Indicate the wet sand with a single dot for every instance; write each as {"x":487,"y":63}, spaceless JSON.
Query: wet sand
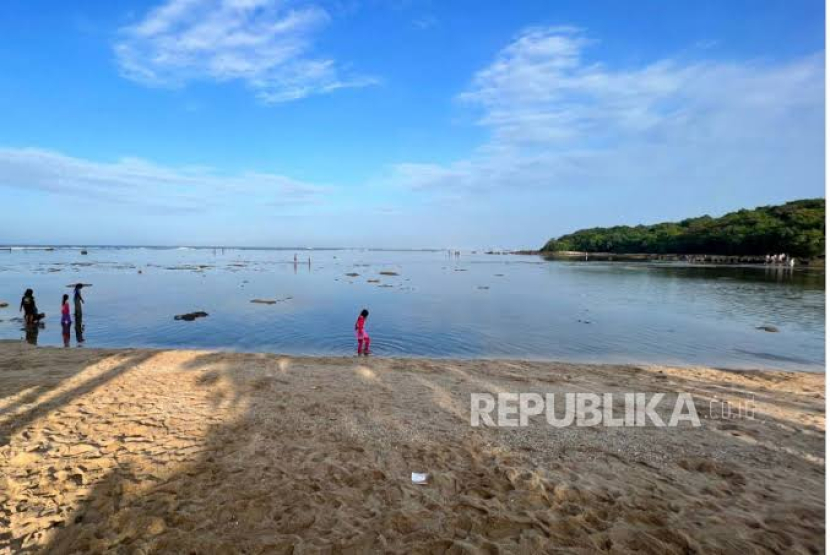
{"x":210,"y":452}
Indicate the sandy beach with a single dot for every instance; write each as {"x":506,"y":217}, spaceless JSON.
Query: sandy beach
{"x":139,"y":451}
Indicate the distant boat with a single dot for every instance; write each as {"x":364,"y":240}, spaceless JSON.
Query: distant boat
{"x":83,"y":251}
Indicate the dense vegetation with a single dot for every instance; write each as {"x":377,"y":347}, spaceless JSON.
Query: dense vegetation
{"x":795,"y":228}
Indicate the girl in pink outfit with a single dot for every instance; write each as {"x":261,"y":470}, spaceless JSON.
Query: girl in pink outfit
{"x":363,"y":339}
{"x":65,"y":319}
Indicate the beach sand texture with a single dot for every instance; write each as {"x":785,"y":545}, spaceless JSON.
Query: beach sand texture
{"x":208,"y":452}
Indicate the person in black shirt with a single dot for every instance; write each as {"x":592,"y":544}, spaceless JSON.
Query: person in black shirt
{"x":79,"y":300}
{"x":29,"y":308}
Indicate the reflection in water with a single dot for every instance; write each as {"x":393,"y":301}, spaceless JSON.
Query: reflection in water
{"x":65,"y":329}
{"x":754,"y":296}
{"x":807,"y":279}
{"x":32,"y":332}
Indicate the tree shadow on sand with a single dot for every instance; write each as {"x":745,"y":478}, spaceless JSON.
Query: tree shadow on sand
{"x":34,"y":395}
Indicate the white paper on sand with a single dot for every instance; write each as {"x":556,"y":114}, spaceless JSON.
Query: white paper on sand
{"x":420,"y":478}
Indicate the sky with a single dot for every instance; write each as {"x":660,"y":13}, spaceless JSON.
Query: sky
{"x":399,"y":123}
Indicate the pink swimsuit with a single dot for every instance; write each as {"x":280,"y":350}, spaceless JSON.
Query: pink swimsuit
{"x":362,"y":337}
{"x":65,"y":319}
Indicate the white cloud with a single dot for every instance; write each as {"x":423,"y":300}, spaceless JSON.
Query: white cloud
{"x":557,"y":119}
{"x":264,"y":43}
{"x":139,"y":182}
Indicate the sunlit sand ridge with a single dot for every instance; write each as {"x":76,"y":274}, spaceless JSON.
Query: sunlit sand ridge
{"x":184,"y":451}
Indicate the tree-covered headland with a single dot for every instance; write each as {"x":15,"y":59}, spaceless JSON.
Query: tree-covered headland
{"x":795,"y":228}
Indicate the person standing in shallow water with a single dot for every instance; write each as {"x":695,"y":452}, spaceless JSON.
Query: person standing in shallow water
{"x":363,"y":339}
{"x":29,"y":308}
{"x":66,"y":320}
{"x":79,"y":300}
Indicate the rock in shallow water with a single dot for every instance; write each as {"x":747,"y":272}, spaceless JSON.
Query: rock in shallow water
{"x":190,"y":316}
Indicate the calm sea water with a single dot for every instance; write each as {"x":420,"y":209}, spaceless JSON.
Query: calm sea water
{"x":438,"y":306}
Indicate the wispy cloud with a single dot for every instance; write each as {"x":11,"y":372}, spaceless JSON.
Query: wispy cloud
{"x":267,"y":44}
{"x":557,"y":119}
{"x":425,"y":22}
{"x":142,"y":183}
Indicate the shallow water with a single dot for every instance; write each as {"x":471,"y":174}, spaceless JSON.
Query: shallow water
{"x":438,"y":306}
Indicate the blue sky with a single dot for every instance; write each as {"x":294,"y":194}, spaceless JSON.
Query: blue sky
{"x":401,"y":123}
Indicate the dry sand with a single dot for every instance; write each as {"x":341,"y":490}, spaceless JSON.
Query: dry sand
{"x":203,"y":452}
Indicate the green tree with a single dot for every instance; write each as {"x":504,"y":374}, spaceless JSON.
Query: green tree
{"x":795,"y":228}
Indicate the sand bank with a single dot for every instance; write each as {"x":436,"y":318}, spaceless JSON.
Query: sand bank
{"x":206,"y":452}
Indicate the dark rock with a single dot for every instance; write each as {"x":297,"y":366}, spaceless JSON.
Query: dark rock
{"x":190,"y":316}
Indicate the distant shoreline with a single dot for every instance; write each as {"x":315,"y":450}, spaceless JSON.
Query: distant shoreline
{"x":755,"y":260}
{"x":19,"y":247}
{"x":403,"y":358}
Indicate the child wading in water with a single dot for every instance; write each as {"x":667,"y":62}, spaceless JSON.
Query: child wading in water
{"x":65,"y":319}
{"x":362,"y":337}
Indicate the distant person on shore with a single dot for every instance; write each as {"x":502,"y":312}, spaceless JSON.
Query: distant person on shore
{"x":29,"y":308}
{"x":65,"y":318}
{"x":79,"y":300}
{"x":363,"y":339}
